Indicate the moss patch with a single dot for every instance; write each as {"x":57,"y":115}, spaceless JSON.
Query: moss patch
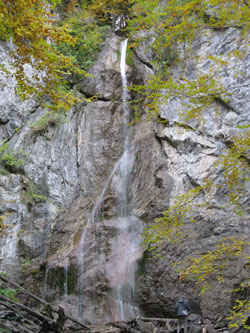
{"x":142,"y":263}
{"x":61,"y":280}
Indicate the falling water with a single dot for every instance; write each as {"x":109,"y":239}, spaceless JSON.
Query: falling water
{"x":91,"y":220}
{"x":128,"y":159}
{"x":125,"y":97}
{"x":126,"y":247}
{"x":121,"y":265}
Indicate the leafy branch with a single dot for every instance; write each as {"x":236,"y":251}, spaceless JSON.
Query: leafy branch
{"x":31,"y":27}
{"x":207,"y":267}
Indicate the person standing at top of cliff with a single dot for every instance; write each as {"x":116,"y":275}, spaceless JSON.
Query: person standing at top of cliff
{"x":183,"y":310}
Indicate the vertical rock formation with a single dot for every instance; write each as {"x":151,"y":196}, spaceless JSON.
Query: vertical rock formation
{"x":71,"y":164}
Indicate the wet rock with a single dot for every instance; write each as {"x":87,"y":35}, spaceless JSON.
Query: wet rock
{"x":105,"y":81}
{"x":71,"y":165}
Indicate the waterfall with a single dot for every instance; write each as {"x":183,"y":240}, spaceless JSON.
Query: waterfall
{"x":127,"y":250}
{"x":90,"y":221}
{"x":127,"y":161}
{"x":121,"y":267}
{"x":125,"y":247}
{"x":125,"y":97}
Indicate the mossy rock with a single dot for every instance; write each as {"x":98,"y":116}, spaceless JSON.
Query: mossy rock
{"x":141,"y":264}
{"x":62,"y":280}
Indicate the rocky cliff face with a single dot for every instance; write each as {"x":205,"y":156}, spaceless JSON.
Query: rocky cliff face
{"x":72,"y":164}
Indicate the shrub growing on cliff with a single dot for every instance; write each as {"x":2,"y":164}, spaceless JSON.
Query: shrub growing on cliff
{"x":32,"y":194}
{"x":108,"y":10}
{"x":11,"y":160}
{"x":89,"y":36}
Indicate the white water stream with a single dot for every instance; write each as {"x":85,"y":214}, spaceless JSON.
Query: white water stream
{"x":125,"y":247}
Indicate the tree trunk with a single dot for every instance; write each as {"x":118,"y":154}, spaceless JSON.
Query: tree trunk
{"x":27,"y":309}
{"x":40,"y":300}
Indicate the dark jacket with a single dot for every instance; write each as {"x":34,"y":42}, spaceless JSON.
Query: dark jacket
{"x":181,"y":306}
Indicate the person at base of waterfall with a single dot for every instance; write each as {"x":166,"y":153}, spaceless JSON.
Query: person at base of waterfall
{"x":183,"y":310}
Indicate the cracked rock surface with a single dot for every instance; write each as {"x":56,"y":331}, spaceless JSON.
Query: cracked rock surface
{"x":70,"y":165}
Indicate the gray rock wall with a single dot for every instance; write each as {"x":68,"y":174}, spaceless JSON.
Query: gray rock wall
{"x":188,"y":155}
{"x":72,"y":163}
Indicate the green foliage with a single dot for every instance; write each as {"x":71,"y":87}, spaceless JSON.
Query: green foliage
{"x":170,"y":30}
{"x":59,"y":279}
{"x":10,"y":293}
{"x":11,"y":160}
{"x":26,"y":264}
{"x":56,"y":51}
{"x":42,"y":185}
{"x":206,"y":270}
{"x":129,"y":58}
{"x":235,"y":164}
{"x":4,"y":274}
{"x":142,"y":262}
{"x":31,"y":26}
{"x":47,"y":311}
{"x":170,"y":226}
{"x":106,"y":10}
{"x":210,"y":266}
{"x":240,"y":314}
{"x":173,"y":27}
{"x":4,"y":330}
{"x":89,"y":37}
{"x":32,"y":195}
{"x":48,"y":119}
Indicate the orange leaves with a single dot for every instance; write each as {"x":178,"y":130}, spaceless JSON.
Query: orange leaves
{"x":32,"y":28}
{"x":3,"y":224}
{"x":181,"y":277}
{"x":105,"y":9}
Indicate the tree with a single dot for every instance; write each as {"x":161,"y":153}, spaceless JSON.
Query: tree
{"x":33,"y":30}
{"x":171,"y":28}
{"x":105,"y":8}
